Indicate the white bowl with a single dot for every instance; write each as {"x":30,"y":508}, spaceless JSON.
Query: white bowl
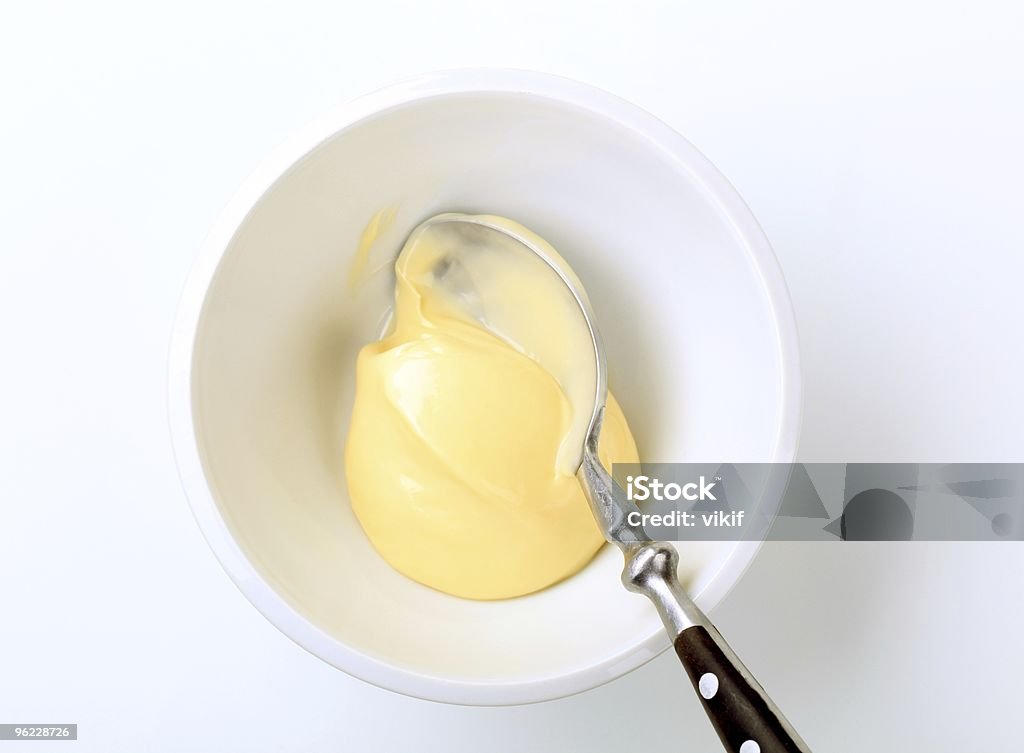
{"x":689,"y":299}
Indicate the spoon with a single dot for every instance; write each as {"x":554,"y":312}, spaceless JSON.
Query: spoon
{"x":746,"y":719}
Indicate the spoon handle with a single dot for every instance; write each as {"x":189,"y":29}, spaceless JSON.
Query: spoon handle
{"x":746,"y":719}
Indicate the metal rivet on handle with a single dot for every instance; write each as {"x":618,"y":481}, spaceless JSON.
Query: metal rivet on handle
{"x":708,"y":685}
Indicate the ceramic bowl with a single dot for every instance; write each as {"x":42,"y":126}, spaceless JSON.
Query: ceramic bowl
{"x":688,"y":296}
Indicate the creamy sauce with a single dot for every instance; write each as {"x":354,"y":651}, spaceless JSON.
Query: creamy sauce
{"x":469,"y":417}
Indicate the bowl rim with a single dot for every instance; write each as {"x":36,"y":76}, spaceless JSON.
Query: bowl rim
{"x":675,"y":148}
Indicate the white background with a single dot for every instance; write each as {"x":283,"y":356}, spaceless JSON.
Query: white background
{"x":879,"y":144}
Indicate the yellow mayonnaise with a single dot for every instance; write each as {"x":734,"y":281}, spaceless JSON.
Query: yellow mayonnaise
{"x":469,"y":417}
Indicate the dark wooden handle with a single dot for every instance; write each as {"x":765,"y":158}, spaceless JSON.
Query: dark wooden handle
{"x":744,"y":717}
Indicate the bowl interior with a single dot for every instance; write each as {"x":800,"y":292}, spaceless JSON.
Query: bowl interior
{"x":690,"y":332}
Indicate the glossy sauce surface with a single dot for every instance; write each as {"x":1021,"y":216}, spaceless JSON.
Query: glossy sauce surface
{"x":470,"y":414}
